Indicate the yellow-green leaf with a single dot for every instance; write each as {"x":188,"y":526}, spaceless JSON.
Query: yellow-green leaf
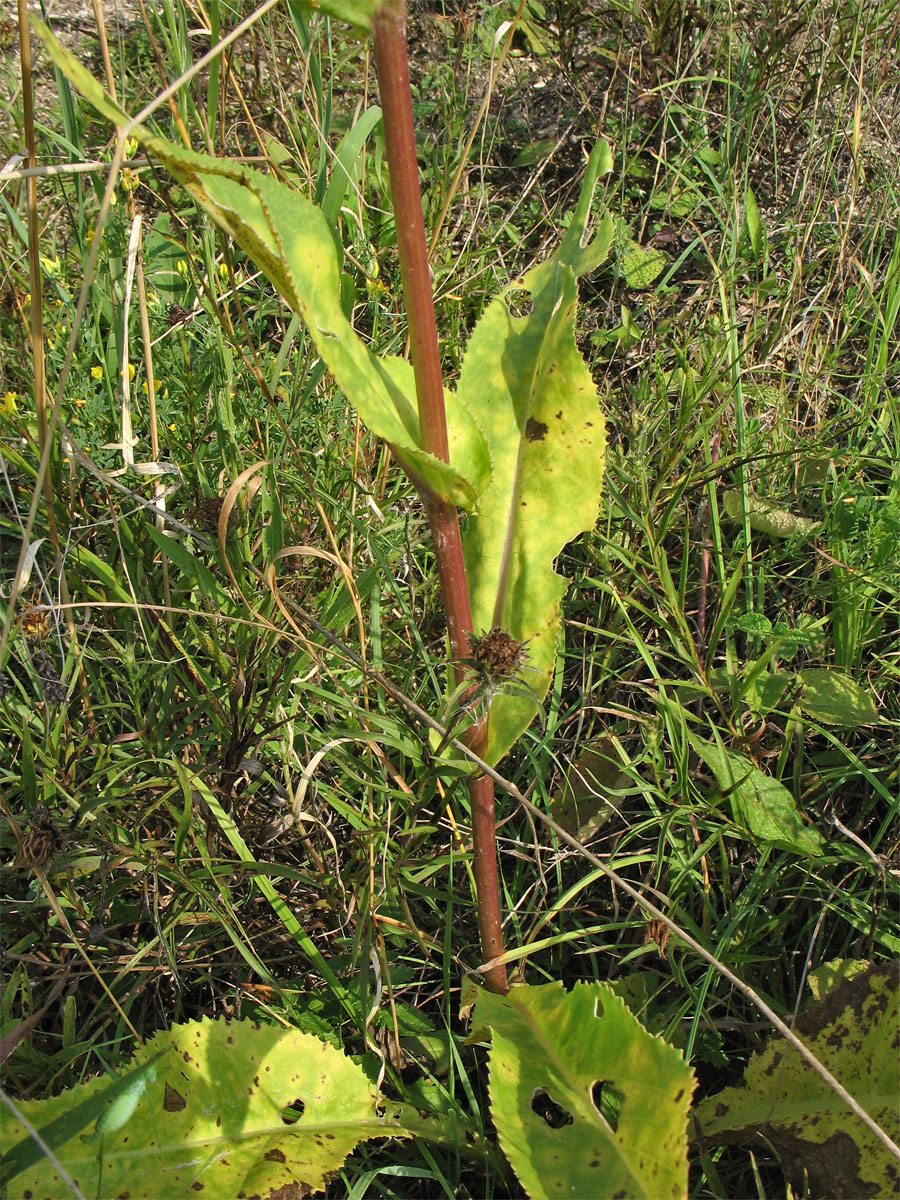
{"x":768,"y":518}
{"x":586,"y":1102}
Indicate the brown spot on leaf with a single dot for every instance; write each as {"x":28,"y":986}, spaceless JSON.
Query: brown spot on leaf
{"x":535,"y":431}
{"x":174,"y":1101}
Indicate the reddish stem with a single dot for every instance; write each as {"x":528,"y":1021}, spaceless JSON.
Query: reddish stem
{"x":392,"y":65}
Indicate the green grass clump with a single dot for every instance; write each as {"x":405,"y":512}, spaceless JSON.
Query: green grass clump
{"x":206,"y":805}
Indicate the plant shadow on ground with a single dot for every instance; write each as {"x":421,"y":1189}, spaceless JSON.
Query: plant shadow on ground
{"x":160,"y":691}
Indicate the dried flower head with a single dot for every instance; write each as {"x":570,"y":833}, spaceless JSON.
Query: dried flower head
{"x":497,"y":656}
{"x":41,"y":840}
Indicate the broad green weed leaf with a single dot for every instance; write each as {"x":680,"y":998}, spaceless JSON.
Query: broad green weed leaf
{"x":759,"y":803}
{"x":764,"y":691}
{"x":641,"y":266}
{"x":835,"y":698}
{"x":211,"y":1122}
{"x":359,"y":13}
{"x":852,"y":1031}
{"x":289,"y":238}
{"x":532,"y":394}
{"x":586,"y":1102}
{"x":768,"y":518}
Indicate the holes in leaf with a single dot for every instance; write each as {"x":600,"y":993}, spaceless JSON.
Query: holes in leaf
{"x":609,"y":1101}
{"x":519,"y":304}
{"x":554,"y":1114}
{"x":294,"y":1111}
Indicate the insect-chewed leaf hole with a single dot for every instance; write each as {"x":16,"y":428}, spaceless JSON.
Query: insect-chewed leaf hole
{"x":608,"y":1100}
{"x":554,"y":1114}
{"x":293,"y":1112}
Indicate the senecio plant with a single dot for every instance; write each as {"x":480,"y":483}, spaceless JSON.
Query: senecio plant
{"x":518,"y":446}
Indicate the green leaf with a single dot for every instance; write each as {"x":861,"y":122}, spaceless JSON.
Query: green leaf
{"x":289,"y":238}
{"x":764,"y":691}
{"x":359,"y":13}
{"x":190,"y":566}
{"x":532,"y":394}
{"x":835,"y":698}
{"x":754,"y":223}
{"x":759,"y":803}
{"x":768,"y":518}
{"x":211,"y":1121}
{"x":348,"y":152}
{"x":640,"y":265}
{"x":757,"y":624}
{"x":586,"y":1102}
{"x":780,"y":1099}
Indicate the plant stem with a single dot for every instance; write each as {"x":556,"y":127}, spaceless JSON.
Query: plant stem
{"x":392,"y":65}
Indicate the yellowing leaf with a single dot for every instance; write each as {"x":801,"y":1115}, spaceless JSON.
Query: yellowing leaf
{"x":207,"y":1119}
{"x":852,"y":1031}
{"x":524,"y":379}
{"x":586,"y":1102}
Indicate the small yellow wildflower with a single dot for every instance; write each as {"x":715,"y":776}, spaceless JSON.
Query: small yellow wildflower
{"x":131,"y":371}
{"x":50,"y":265}
{"x":173,"y":427}
{"x":181,"y":267}
{"x":8,"y":404}
{"x":131,"y":145}
{"x":79,"y":401}
{"x":96,"y":372}
{"x":144,"y":387}
{"x":223,"y":270}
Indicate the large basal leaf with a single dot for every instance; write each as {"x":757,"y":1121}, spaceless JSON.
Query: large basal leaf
{"x":289,"y":239}
{"x":586,"y":1102}
{"x":853,"y":1032}
{"x":532,"y":393}
{"x":209,"y":1118}
{"x":759,"y":803}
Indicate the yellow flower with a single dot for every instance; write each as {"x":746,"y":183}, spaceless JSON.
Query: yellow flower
{"x":96,"y":372}
{"x":131,"y":371}
{"x":173,"y":427}
{"x":79,"y":401}
{"x":8,"y":404}
{"x":144,"y":387}
{"x":181,"y":267}
{"x":223,"y":270}
{"x":131,"y":145}
{"x":50,"y":265}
